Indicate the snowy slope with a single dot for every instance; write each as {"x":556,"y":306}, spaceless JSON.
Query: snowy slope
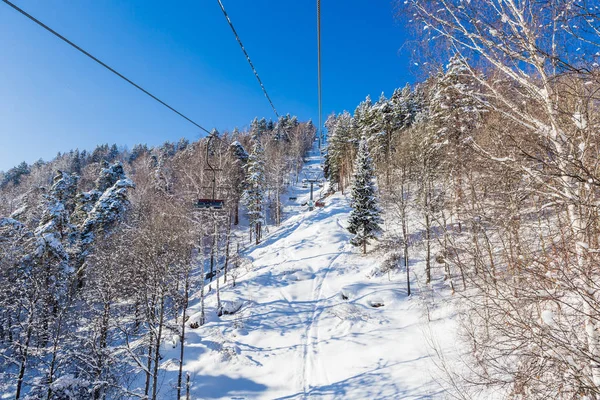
{"x":296,"y":336}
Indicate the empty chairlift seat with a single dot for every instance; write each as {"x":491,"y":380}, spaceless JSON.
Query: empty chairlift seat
{"x":209,"y":203}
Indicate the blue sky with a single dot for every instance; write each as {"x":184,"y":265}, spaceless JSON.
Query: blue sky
{"x":52,"y":98}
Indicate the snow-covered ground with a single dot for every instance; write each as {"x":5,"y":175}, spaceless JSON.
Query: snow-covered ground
{"x":308,"y":326}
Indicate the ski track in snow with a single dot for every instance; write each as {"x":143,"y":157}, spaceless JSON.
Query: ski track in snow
{"x":311,"y":342}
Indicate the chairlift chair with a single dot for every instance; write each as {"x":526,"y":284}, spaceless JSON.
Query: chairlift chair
{"x":209,"y":203}
{"x":212,"y":203}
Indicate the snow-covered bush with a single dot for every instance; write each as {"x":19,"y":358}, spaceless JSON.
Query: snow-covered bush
{"x":390,"y":264}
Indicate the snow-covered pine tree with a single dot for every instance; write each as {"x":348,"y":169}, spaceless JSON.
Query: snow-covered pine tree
{"x":214,"y":134}
{"x":182,"y":144}
{"x":239,"y":152}
{"x":341,"y":148}
{"x":15,"y":175}
{"x":255,"y":187}
{"x":366,"y":215}
{"x":112,"y":184}
{"x":236,"y":176}
{"x":455,"y":108}
{"x":383,"y":128}
{"x":330,"y":167}
{"x":137,"y":151}
{"x":455,"y":112}
{"x":98,"y":210}
{"x":365,"y":118}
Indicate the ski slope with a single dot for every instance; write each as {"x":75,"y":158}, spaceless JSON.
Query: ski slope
{"x":297,"y":337}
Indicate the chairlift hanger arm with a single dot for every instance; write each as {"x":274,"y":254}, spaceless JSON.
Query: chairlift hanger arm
{"x":210,"y":137}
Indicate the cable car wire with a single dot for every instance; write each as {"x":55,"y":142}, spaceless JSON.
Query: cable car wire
{"x":46,"y":27}
{"x":248,"y":58}
{"x":319,"y":72}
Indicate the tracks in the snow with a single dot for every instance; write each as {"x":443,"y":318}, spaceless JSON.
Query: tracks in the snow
{"x":310,"y":357}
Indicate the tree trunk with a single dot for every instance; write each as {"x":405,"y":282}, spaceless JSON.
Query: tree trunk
{"x":217,"y":270}
{"x":403,"y":200}
{"x":24,"y":355}
{"x":157,"y":346}
{"x":149,"y":365}
{"x":448,"y":276}
{"x":212,"y":252}
{"x":427,"y":244}
{"x":257,"y":233}
{"x":202,"y":279}
{"x":236,"y":215}
{"x":182,"y":336}
{"x":187,"y":386}
{"x":225,"y":267}
{"x":103,"y":344}
{"x":278,"y":207}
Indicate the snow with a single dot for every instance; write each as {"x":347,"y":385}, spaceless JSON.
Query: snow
{"x":231,"y":307}
{"x":13,"y":223}
{"x":349,"y":292}
{"x":548,"y":318}
{"x":579,"y":120}
{"x":19,"y":211}
{"x":294,"y":336}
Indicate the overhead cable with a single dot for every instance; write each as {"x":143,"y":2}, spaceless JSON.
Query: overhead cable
{"x":237,"y":37}
{"x":46,"y":27}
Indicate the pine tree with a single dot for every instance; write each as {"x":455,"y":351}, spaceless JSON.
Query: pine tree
{"x":331,"y":167}
{"x":237,"y":176}
{"x":113,"y":185}
{"x":340,"y":148}
{"x":365,"y":216}
{"x":255,"y":181}
{"x":365,"y":118}
{"x":182,"y":144}
{"x":214,"y":134}
{"x":239,"y":152}
{"x":455,"y":110}
{"x":310,"y":127}
{"x":455,"y":114}
{"x":14,"y":175}
{"x":76,"y":162}
{"x":137,"y":151}
{"x":113,"y":153}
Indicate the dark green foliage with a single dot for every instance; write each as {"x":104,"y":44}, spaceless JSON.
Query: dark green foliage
{"x":365,"y":216}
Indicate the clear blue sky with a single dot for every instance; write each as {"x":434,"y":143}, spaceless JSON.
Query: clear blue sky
{"x":52,"y":98}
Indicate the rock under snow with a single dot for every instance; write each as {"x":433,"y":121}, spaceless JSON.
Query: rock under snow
{"x":376,"y":302}
{"x":348,"y":292}
{"x":229,"y":307}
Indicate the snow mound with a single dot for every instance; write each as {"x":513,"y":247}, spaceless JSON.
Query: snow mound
{"x":230,"y":307}
{"x":194,"y":322}
{"x":376,"y":302}
{"x":300,"y":276}
{"x":349,"y":292}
